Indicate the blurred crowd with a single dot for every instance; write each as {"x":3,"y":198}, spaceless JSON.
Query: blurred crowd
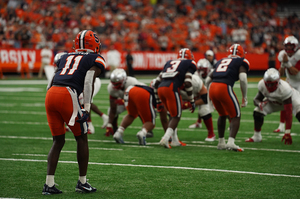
{"x":146,"y":25}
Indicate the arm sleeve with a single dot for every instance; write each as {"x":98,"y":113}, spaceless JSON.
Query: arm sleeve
{"x":243,"y":84}
{"x":188,"y":86}
{"x":88,"y":89}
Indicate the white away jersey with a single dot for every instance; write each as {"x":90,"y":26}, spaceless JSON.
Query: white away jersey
{"x":283,"y":92}
{"x":294,"y":80}
{"x":118,"y":93}
{"x":197,"y":84}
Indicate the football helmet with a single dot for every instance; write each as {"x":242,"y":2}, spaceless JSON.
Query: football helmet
{"x":185,"y":53}
{"x":271,"y":79}
{"x":236,"y":50}
{"x":203,"y":67}
{"x":87,"y":40}
{"x":118,"y":78}
{"x":290,"y":44}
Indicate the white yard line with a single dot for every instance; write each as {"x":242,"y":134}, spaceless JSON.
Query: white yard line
{"x":160,"y":167}
{"x":149,"y":144}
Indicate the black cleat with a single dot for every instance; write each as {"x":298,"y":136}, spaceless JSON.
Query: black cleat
{"x":50,"y":190}
{"x":84,"y":188}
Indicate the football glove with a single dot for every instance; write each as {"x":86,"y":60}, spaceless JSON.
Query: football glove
{"x":109,"y":130}
{"x":287,"y":138}
{"x":244,"y":102}
{"x":159,"y":107}
{"x":84,"y":117}
{"x":186,"y":105}
{"x":262,"y":104}
{"x":120,"y":102}
{"x":193,"y":106}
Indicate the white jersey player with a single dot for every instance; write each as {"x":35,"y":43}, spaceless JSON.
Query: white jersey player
{"x":290,"y":65}
{"x":119,"y":82}
{"x":204,"y":67}
{"x":201,"y":100}
{"x":275,"y":95}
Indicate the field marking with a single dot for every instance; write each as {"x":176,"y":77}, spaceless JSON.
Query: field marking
{"x":149,"y":144}
{"x":161,"y":167}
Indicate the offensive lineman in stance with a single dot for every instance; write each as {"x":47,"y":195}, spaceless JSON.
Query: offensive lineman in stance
{"x":76,"y":73}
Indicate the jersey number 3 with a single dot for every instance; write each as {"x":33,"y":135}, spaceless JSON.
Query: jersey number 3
{"x":74,"y":65}
{"x":223,"y":65}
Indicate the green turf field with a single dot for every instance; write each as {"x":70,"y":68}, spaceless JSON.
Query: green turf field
{"x":268,"y":169}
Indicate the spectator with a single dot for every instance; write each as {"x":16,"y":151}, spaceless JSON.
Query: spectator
{"x":129,"y":63}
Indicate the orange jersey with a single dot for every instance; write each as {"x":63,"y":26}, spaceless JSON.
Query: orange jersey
{"x":59,"y":108}
{"x":224,"y":99}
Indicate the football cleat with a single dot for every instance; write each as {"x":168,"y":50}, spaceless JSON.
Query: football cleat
{"x":141,"y":138}
{"x":165,"y":142}
{"x":221,"y":146}
{"x":195,"y":125}
{"x":105,"y":120}
{"x":234,"y":147}
{"x":210,"y":138}
{"x":279,"y":130}
{"x":118,"y":137}
{"x":50,"y":190}
{"x":254,"y":139}
{"x":84,"y":188}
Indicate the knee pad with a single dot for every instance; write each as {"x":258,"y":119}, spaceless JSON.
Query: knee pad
{"x":206,"y":117}
{"x":258,"y":116}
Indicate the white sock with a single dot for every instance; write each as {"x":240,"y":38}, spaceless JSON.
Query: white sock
{"x":221,"y":140}
{"x":175,"y":136}
{"x":281,"y":125}
{"x":230,"y":140}
{"x":169,"y":133}
{"x":50,"y":180}
{"x":144,"y":132}
{"x":257,"y":134}
{"x":82,"y":179}
{"x":121,"y":129}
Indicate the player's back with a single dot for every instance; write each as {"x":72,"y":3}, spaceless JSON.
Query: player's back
{"x":175,"y":71}
{"x":227,"y":70}
{"x":72,"y":68}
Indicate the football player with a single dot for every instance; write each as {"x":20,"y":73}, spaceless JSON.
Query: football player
{"x":275,"y":95}
{"x":76,"y":73}
{"x":140,"y":101}
{"x":290,"y":65}
{"x":201,"y":100}
{"x":176,"y":73}
{"x":204,"y":67}
{"x":119,"y":82}
{"x":229,"y":70}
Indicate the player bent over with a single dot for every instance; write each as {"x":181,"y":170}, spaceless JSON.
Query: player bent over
{"x":275,"y":95}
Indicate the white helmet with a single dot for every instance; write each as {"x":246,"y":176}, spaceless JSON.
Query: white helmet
{"x":118,"y":78}
{"x":203,"y":67}
{"x":291,"y":44}
{"x":271,"y":79}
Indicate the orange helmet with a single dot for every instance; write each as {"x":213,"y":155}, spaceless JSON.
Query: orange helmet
{"x":185,"y":53}
{"x":87,"y":40}
{"x":236,"y":50}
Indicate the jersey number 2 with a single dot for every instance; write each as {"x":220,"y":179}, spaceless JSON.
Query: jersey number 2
{"x":223,"y":65}
{"x":68,"y":63}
